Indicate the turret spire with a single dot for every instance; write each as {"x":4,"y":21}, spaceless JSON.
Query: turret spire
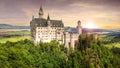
{"x":48,"y":18}
{"x":41,"y":12}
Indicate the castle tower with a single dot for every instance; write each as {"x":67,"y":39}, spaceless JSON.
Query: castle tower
{"x":41,"y":12}
{"x":79,"y":27}
{"x":48,"y":20}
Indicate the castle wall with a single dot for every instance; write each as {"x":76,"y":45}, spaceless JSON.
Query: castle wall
{"x":47,"y":34}
{"x":70,"y":39}
{"x":67,"y":39}
{"x":74,"y":39}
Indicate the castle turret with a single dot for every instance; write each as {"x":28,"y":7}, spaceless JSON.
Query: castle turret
{"x":41,"y":12}
{"x":79,"y":27}
{"x":48,"y":20}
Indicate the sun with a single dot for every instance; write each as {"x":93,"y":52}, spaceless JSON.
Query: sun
{"x":90,"y":25}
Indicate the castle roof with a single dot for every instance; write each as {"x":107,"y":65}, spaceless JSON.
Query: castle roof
{"x":41,"y":22}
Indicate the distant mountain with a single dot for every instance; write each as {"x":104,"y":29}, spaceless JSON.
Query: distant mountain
{"x":4,"y":25}
{"x":99,"y":31}
{"x":7,"y":26}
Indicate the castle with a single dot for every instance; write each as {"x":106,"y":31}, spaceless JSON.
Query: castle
{"x":46,"y":30}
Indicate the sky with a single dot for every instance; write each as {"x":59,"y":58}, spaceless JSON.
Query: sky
{"x":104,"y":14}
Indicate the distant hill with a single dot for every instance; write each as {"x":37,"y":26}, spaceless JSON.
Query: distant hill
{"x":73,"y":29}
{"x":98,"y":31}
{"x":113,"y":37}
{"x":7,"y":26}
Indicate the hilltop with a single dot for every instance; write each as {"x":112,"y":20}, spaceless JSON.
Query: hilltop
{"x":7,"y":26}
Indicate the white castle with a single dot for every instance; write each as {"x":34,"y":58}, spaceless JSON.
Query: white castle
{"x":46,"y":30}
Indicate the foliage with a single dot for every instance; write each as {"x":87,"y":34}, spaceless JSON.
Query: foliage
{"x":88,"y":54}
{"x":95,"y":55}
{"x":112,"y":45}
{"x":112,"y":37}
{"x":13,"y":39}
{"x":17,"y":32}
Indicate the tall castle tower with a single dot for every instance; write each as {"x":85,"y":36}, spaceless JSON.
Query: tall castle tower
{"x":79,"y":27}
{"x":41,"y":12}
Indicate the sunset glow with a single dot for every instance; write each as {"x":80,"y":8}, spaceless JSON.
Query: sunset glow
{"x":19,"y":12}
{"x":90,"y":25}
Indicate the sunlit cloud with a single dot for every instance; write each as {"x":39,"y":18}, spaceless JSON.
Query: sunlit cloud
{"x":102,"y":12}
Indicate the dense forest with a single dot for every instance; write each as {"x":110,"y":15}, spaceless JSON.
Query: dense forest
{"x":89,"y":53}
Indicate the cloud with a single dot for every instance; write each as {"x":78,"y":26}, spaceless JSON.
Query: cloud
{"x":100,"y":11}
{"x":10,"y":10}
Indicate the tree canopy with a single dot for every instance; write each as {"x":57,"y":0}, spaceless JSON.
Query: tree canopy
{"x":89,"y":54}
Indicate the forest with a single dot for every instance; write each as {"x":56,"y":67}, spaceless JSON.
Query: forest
{"x":88,"y":54}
